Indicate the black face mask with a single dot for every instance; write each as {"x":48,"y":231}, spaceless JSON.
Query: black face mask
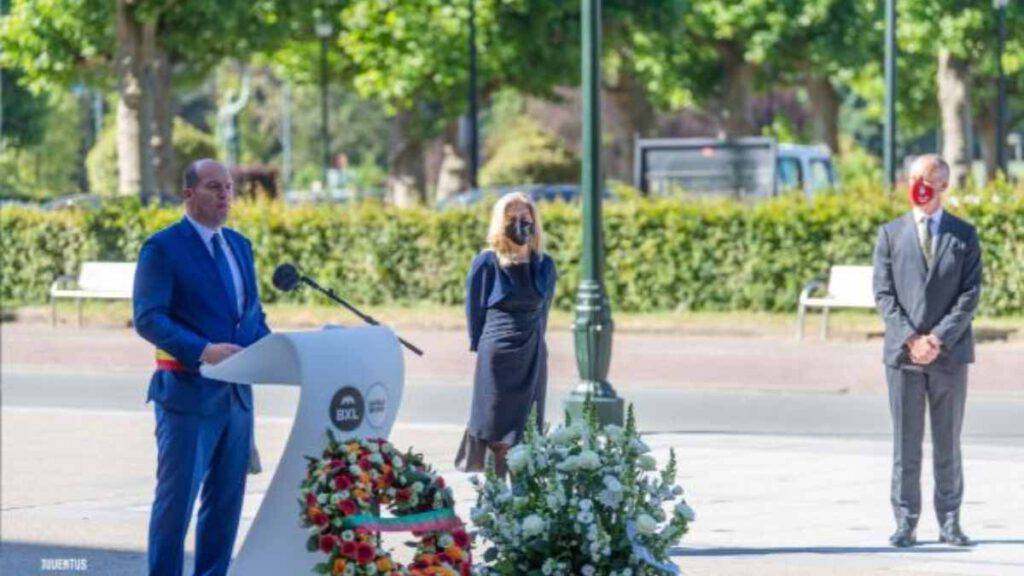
{"x":519,"y":231}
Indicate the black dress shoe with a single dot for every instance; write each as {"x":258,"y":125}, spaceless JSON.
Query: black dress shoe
{"x":951,"y":534}
{"x":904,"y":536}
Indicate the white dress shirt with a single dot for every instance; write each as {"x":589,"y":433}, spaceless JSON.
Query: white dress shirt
{"x":206,"y":234}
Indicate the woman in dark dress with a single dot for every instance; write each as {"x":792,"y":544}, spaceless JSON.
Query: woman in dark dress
{"x":509,"y":291}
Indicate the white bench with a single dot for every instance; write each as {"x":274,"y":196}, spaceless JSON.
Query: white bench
{"x":102,"y":280}
{"x":848,"y":287}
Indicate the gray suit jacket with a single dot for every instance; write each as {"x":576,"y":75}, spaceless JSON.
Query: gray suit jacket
{"x":914,"y":299}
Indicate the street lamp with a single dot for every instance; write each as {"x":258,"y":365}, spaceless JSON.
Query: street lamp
{"x":889,"y":132}
{"x":1001,"y":120}
{"x":593,"y":326}
{"x":286,"y":136}
{"x":474,"y":129}
{"x":324,"y":31}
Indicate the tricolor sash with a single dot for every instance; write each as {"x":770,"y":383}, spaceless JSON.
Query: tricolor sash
{"x":165,"y":361}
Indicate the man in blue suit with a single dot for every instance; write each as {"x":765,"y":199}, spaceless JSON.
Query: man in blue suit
{"x":196,"y":301}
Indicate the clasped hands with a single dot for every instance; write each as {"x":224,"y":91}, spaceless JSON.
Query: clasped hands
{"x":924,"y":348}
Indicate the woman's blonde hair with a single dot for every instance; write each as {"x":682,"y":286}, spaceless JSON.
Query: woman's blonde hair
{"x":500,"y":217}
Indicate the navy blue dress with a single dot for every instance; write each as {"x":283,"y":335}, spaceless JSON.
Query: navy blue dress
{"x":507,"y":311}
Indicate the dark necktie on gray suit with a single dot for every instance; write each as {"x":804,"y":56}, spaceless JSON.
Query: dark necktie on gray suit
{"x":924,"y":234}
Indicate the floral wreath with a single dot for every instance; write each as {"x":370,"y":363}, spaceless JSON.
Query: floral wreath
{"x":355,"y":477}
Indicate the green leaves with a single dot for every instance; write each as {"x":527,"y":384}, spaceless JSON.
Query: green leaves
{"x":57,"y":42}
{"x":527,"y":153}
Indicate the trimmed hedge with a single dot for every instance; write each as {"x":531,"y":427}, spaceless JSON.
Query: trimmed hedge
{"x":662,"y":255}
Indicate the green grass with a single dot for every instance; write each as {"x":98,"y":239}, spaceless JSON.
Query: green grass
{"x":846,"y":324}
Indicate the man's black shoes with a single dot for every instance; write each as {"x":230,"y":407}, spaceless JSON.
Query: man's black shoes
{"x":904,"y":536}
{"x":951,"y":534}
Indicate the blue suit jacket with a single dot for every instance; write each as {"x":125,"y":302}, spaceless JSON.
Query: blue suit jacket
{"x":488,"y":284}
{"x":181,"y":305}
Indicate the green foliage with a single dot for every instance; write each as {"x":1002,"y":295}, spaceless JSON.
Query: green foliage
{"x":63,"y":41}
{"x":358,"y":128}
{"x":43,"y":160}
{"x":23,"y":113}
{"x":101,"y":163}
{"x":661,"y":255}
{"x":412,"y":55}
{"x":524,"y":152}
{"x":190,"y":143}
{"x":967,"y":29}
{"x":57,"y":42}
{"x":37,"y":247}
{"x":368,"y":175}
{"x":858,"y":168}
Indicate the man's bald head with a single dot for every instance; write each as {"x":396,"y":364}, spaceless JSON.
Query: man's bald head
{"x":208,"y":191}
{"x":931,"y":167}
{"x":191,"y":177}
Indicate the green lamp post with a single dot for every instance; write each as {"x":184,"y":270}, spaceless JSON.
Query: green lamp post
{"x":593,"y":326}
{"x":1001,"y":114}
{"x":889,"y":130}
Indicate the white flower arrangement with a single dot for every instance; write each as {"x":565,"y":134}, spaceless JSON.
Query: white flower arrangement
{"x":581,"y":500}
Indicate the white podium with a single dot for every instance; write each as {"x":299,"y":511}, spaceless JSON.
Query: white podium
{"x":351,"y":382}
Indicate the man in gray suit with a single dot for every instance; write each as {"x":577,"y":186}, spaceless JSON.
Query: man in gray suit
{"x":927,"y":281}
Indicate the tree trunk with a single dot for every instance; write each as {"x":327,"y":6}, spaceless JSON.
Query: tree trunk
{"x":163,"y":125}
{"x":633,"y":117}
{"x":986,"y":125}
{"x":954,"y":105}
{"x":406,"y":174}
{"x":825,"y":104}
{"x":85,"y":129}
{"x":134,"y":155}
{"x":453,"y":172}
{"x":739,"y":89}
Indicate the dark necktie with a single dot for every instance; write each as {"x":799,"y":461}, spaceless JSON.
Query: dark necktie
{"x":924,"y":235}
{"x":225,"y":272}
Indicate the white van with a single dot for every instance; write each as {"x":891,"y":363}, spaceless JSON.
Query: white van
{"x":745,"y":168}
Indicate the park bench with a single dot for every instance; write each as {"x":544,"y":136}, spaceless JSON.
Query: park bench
{"x":101,"y":280}
{"x":848,"y":287}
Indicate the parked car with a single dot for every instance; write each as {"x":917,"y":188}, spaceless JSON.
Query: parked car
{"x":746,"y":168}
{"x":83,"y":201}
{"x":536,"y":192}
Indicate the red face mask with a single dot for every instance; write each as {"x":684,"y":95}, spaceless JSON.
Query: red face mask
{"x":921,"y":192}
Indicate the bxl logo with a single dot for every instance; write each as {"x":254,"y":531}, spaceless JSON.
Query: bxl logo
{"x":347,"y":409}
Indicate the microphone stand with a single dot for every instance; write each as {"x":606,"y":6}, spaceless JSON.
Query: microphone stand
{"x":365,"y":317}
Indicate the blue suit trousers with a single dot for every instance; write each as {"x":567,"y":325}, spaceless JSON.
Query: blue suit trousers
{"x":198,"y":452}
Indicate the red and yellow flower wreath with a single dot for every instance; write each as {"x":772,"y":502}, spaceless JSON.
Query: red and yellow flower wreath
{"x":350,"y":481}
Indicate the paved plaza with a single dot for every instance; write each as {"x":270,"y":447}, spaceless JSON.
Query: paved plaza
{"x":788,"y":472}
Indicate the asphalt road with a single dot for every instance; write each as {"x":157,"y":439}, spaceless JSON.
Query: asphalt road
{"x":989,"y":419}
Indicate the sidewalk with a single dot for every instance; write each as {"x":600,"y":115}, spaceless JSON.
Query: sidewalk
{"x":78,"y":485}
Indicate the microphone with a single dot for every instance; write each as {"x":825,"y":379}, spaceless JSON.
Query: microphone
{"x":287,"y":278}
